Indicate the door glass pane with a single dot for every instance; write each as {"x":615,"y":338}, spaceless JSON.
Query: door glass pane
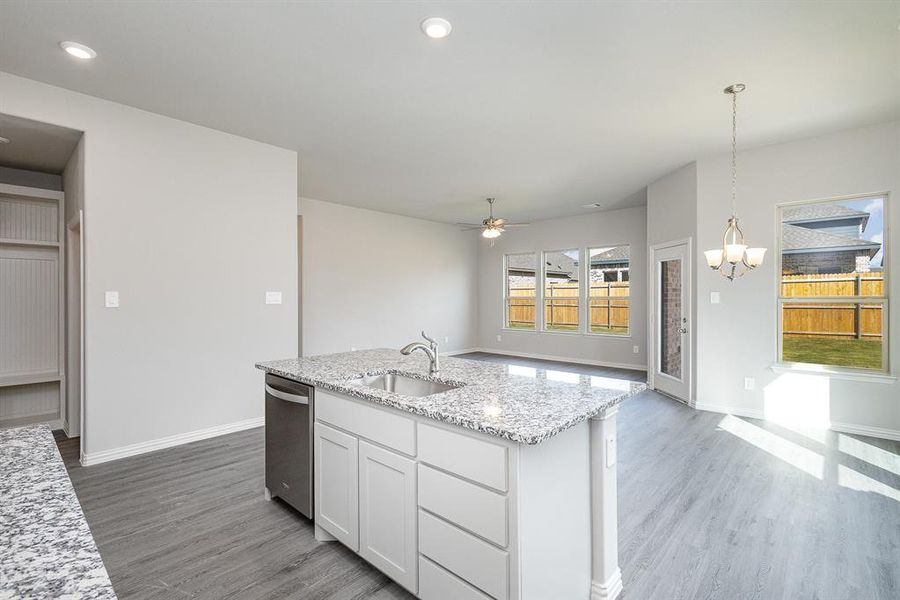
{"x":609,"y":290}
{"x":835,"y":334}
{"x":561,"y":290}
{"x":670,"y":317}
{"x":521,"y":290}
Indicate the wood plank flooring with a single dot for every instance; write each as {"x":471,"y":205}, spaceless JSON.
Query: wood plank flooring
{"x":710,"y":506}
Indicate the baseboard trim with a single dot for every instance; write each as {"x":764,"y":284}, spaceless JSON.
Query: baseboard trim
{"x":95,"y":458}
{"x":876,"y":432}
{"x":458,"y":352}
{"x":608,"y":590}
{"x":577,"y":361}
{"x":750,"y":413}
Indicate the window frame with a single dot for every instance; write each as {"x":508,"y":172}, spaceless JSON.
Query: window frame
{"x":884,"y":301}
{"x":543,"y":285}
{"x":505,"y":309}
{"x":587,"y":292}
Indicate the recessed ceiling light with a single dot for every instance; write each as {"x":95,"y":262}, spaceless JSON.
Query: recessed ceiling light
{"x":78,"y":50}
{"x":436,"y":27}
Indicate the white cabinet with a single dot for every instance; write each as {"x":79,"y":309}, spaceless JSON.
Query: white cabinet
{"x":337,"y":484}
{"x":387,"y":513}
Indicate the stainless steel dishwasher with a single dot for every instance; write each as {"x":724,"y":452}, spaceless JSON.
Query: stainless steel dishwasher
{"x":289,"y":442}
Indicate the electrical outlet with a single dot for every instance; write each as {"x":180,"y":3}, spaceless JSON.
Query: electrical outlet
{"x":499,"y":338}
{"x":273,"y":297}
{"x":111,"y":300}
{"x":714,"y":297}
{"x":352,"y":348}
{"x":637,"y":350}
{"x":749,"y":383}
{"x":446,"y":339}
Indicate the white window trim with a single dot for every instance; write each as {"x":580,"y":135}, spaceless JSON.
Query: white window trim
{"x":882,"y":375}
{"x":543,"y":283}
{"x":587,"y":290}
{"x":504,"y":325}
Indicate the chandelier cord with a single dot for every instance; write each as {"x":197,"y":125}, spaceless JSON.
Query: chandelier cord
{"x":734,"y":153}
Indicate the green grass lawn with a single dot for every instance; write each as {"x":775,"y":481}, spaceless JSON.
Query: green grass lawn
{"x":864,"y":354}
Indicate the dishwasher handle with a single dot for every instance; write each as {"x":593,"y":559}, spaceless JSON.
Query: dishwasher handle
{"x":287,"y":397}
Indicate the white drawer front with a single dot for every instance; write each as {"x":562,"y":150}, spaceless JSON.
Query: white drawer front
{"x":471,"y":507}
{"x":464,"y":455}
{"x":463,"y":554}
{"x":437,"y":584}
{"x":380,"y":425}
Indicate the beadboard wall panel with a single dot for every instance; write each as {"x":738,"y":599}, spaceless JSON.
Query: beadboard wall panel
{"x":31,"y":219}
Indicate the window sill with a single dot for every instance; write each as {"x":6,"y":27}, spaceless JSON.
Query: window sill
{"x":517,"y":330}
{"x":833,"y":373}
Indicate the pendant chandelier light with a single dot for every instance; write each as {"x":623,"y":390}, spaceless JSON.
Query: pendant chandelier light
{"x":734,"y":258}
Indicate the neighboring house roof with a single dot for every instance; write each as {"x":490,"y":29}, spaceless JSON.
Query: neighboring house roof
{"x":613,"y":255}
{"x":562,"y":265}
{"x":811,"y":213}
{"x":800,"y":239}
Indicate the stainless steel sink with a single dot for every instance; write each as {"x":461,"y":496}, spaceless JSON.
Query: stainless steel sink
{"x":401,"y":384}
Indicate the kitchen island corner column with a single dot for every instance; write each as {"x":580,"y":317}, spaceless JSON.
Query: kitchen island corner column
{"x":606,"y":578}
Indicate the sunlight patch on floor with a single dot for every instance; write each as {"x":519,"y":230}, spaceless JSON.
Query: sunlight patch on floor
{"x":794,"y":454}
{"x":869,"y":453}
{"x":854,"y":480}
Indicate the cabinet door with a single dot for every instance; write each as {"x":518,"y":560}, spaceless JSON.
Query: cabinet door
{"x":337,"y":484}
{"x":387,"y":513}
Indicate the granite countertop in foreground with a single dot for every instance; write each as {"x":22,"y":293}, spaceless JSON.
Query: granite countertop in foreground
{"x":520,"y":404}
{"x":46,"y":547}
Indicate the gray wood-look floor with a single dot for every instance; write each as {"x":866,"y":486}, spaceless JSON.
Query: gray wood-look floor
{"x":709,"y":507}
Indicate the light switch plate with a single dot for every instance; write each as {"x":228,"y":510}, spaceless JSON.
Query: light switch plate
{"x":749,"y":383}
{"x":499,"y":338}
{"x":111,"y":300}
{"x":714,"y":297}
{"x":610,"y":451}
{"x":273,"y":297}
{"x":637,"y":349}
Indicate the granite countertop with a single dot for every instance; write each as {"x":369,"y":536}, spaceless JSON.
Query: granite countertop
{"x":520,"y":404}
{"x":46,"y":547}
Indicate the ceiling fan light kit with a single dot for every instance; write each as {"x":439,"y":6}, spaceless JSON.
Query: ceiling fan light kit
{"x":735,"y":257}
{"x":491,"y":228}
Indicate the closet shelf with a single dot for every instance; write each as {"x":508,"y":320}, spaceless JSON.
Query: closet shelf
{"x":41,"y":243}
{"x":29,"y":378}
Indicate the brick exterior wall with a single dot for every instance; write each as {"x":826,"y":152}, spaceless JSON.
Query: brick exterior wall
{"x":810,"y":263}
{"x":670,"y":318}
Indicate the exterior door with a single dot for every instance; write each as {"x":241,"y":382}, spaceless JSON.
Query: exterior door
{"x":671,"y":326}
{"x":337,"y":484}
{"x":387,"y":513}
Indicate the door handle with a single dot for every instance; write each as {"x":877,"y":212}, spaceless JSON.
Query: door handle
{"x":296,"y":398}
{"x":683,"y":330}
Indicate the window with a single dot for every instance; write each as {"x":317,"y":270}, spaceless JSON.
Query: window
{"x":520,"y":290}
{"x":562,"y":291}
{"x":833,"y":298}
{"x":609,"y":291}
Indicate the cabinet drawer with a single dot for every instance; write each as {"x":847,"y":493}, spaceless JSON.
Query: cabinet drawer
{"x":437,"y":584}
{"x":470,"y":558}
{"x":470,"y":506}
{"x":464,"y":455}
{"x":377,"y":424}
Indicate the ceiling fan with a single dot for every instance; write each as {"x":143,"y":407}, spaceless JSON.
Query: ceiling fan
{"x":491,"y":228}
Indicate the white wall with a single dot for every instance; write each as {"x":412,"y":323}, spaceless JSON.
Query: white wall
{"x":73,"y":185}
{"x":672,"y":215}
{"x":607,"y":228}
{"x":191,"y":226}
{"x":737,"y":338}
{"x":372,"y":279}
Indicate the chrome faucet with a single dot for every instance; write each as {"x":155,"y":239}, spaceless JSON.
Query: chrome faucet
{"x":431,"y":350}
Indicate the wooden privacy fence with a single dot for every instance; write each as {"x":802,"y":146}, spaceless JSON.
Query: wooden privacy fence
{"x":609,"y":306}
{"x":847,"y":320}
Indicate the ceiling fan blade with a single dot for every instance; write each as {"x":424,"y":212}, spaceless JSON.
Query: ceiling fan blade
{"x":499,"y":222}
{"x":469,"y":225}
{"x":516,"y":224}
{"x":473,"y":228}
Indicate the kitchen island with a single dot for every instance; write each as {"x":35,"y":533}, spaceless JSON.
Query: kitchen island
{"x":46,"y":547}
{"x":502,"y":485}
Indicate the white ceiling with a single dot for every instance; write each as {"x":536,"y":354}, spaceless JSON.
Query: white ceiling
{"x":547,"y":106}
{"x":36,"y":146}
